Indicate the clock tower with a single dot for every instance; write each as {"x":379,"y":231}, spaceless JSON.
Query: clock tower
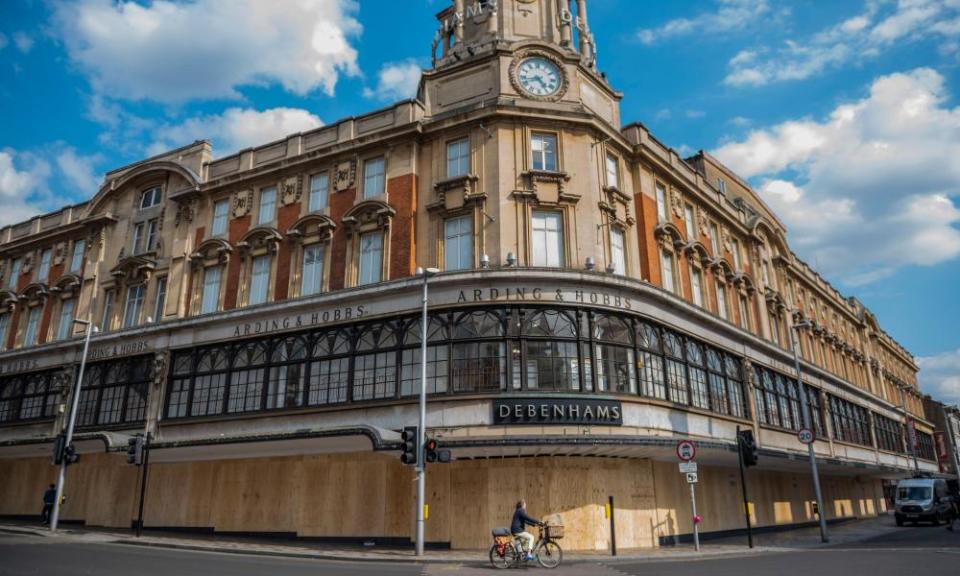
{"x":521,"y":53}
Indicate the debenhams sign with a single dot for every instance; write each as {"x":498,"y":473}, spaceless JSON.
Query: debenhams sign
{"x":557,"y":411}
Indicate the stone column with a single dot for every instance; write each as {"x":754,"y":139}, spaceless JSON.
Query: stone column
{"x":459,"y":14}
{"x":564,"y":16}
{"x":156,"y":394}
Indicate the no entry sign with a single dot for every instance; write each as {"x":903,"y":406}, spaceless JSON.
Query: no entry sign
{"x":686,"y":450}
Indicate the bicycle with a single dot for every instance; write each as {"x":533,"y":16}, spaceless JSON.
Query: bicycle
{"x":507,"y":551}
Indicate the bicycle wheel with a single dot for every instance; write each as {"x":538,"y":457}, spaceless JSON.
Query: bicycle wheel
{"x":508,"y":559}
{"x":550,"y":555}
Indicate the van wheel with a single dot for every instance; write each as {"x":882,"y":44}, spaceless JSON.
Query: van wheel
{"x":936,"y":519}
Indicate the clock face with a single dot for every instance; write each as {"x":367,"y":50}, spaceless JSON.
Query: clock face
{"x":539,"y":76}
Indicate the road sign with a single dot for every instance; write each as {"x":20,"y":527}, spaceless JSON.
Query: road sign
{"x":688,"y":467}
{"x":691,"y":477}
{"x":805,"y":436}
{"x":686,"y":450}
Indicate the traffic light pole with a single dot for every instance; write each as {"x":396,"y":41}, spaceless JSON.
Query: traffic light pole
{"x":422,"y":428}
{"x":143,"y":481}
{"x":62,"y":474}
{"x":808,"y":422}
{"x":743,"y":485}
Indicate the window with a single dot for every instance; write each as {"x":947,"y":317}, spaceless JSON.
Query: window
{"x":44,"y":272}
{"x":458,"y":158}
{"x":14,"y":274}
{"x":312,"y":279}
{"x":661,"y":203}
{"x":544,"y":147}
{"x":4,"y":327}
{"x":105,"y":319}
{"x":688,"y":222}
{"x":676,"y":369}
{"x":889,"y":434}
{"x":696,"y":286}
{"x":458,"y":243}
{"x":145,"y":236}
{"x":617,"y":254}
{"x":65,"y":327}
{"x":268,"y":205}
{"x":715,"y":239}
{"x":735,"y":249}
{"x":371,"y":257}
{"x":220,"y":210}
{"x":259,"y":280}
{"x":744,"y":312}
{"x":722,"y":300}
{"x":131,"y":310}
{"x":151,"y":197}
{"x":373,"y":177}
{"x":775,"y":328}
{"x":211,"y":290}
{"x":115,"y":392}
{"x":547,"y":239}
{"x":722,"y":185}
{"x":161,"y":299}
{"x":26,"y":397}
{"x":319,"y":187}
{"x":33,"y":325}
{"x":851,"y":423}
{"x":613,"y":352}
{"x":76,"y":262}
{"x":613,"y":171}
{"x":666,"y":270}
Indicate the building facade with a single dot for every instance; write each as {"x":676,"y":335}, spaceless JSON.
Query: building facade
{"x":946,"y":435}
{"x":600,"y":298}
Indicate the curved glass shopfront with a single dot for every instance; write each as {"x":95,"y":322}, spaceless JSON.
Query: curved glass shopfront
{"x":486,"y":350}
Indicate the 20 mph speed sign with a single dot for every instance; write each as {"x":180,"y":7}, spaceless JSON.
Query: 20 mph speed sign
{"x":805,"y":436}
{"x":686,"y":450}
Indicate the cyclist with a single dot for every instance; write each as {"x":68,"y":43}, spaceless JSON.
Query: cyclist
{"x":517,"y":527}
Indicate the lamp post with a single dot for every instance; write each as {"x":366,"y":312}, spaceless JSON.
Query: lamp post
{"x":62,"y":475}
{"x":421,"y":428}
{"x":808,"y":422}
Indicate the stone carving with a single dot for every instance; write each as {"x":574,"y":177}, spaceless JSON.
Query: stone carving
{"x":677,"y":203}
{"x":290,"y":190}
{"x":726,"y":238}
{"x":186,"y":210}
{"x":27,"y":263}
{"x":704,"y":222}
{"x":242,"y":203}
{"x":159,"y":367}
{"x":59,"y":252}
{"x":344,"y":175}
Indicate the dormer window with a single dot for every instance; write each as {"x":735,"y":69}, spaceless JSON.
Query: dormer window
{"x":152,"y":197}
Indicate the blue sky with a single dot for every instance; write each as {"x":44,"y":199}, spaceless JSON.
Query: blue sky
{"x":842,"y":113}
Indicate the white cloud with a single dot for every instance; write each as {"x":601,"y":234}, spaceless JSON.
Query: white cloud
{"x":174,"y":52}
{"x":729,"y":15}
{"x":21,"y":175}
{"x":694,"y":114}
{"x":3,"y":41}
{"x":234,"y":129}
{"x":79,"y":171}
{"x":940,"y":376}
{"x":867,"y":35}
{"x":22,"y":41}
{"x":872,"y":187}
{"x":396,"y":81}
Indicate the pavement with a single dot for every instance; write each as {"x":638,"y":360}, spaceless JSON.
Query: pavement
{"x":885,"y":551}
{"x":798,"y":539}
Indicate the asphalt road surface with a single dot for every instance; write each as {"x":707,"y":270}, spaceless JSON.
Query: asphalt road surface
{"x":907,"y":551}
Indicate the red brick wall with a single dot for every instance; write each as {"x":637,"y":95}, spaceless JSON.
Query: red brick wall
{"x":238,"y":227}
{"x":340,"y":202}
{"x":12,"y":329}
{"x":649,"y":254}
{"x":402,"y":193}
{"x":55,"y":273}
{"x":287,"y":216}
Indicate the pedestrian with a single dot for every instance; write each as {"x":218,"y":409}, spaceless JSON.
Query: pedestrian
{"x":954,"y":511}
{"x":49,"y":497}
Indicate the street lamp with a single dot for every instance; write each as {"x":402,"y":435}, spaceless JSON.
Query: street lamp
{"x":808,"y":422}
{"x":421,"y":428}
{"x":62,"y":475}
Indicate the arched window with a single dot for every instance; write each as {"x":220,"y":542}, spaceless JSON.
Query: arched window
{"x":652,"y":382}
{"x":478,"y":352}
{"x":613,"y":354}
{"x":210,"y":382}
{"x":676,"y":370}
{"x":438,"y":357}
{"x":247,"y":378}
{"x":288,"y":372}
{"x":552,"y":360}
{"x":330,"y":368}
{"x":375,"y":365}
{"x":700,"y":395}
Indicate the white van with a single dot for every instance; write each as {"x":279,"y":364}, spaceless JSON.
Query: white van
{"x":922,"y":500}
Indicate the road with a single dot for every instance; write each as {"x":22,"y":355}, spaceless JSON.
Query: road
{"x":901,"y":552}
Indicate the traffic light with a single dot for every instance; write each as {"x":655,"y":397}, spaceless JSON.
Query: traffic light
{"x":135,"y":450}
{"x":748,"y":448}
{"x":410,"y":437}
{"x":70,"y":455}
{"x":59,"y":443}
{"x":433,"y":453}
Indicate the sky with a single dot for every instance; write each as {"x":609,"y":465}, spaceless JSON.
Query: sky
{"x":842,"y":114}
